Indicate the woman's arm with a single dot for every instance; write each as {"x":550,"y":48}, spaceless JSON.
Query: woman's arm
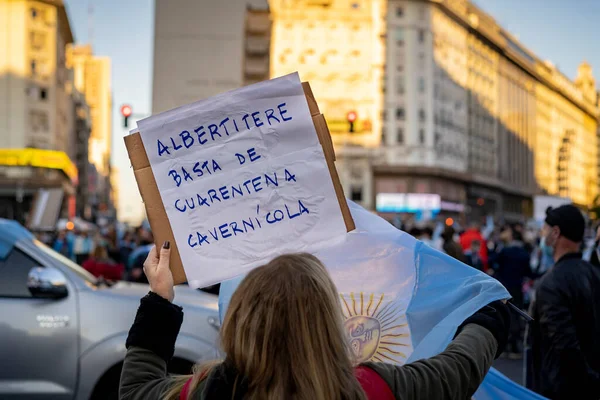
{"x":454,"y":374}
{"x":150,"y":346}
{"x":151,"y":340}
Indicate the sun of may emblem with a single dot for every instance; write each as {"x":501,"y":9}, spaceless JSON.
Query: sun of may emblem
{"x":376,"y":332}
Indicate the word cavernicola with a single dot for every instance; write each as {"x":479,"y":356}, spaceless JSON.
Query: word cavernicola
{"x":250,"y":224}
{"x":212,"y":132}
{"x":234,"y":191}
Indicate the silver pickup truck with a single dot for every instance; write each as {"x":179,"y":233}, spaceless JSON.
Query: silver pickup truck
{"x":62,"y":331}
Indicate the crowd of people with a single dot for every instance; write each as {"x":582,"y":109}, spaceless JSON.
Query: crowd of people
{"x":107,"y":253}
{"x":552,"y":273}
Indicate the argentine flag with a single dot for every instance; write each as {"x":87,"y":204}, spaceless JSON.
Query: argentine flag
{"x":401,"y":299}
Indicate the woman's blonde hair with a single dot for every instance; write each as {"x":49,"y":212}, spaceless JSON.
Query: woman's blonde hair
{"x":283,"y":332}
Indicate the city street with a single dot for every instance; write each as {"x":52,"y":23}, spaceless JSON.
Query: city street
{"x":235,"y":176}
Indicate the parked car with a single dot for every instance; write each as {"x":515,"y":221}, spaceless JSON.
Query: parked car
{"x":63,"y":331}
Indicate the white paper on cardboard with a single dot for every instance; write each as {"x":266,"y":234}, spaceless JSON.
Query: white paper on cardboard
{"x":243,"y":178}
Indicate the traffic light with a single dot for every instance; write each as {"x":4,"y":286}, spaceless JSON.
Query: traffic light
{"x":126,"y":111}
{"x":351,"y":117}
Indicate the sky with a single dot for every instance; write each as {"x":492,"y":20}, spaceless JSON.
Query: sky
{"x":554,"y":30}
{"x":123,"y":31}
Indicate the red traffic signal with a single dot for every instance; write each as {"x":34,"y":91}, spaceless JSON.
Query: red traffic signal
{"x":351,"y":116}
{"x":126,"y":110}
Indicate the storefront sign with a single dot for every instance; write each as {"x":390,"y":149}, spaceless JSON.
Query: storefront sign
{"x":408,"y":202}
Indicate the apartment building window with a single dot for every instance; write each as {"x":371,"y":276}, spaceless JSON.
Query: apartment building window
{"x":43,"y":94}
{"x":422,"y":85}
{"x":421,"y":36}
{"x":400,"y":136}
{"x":356,"y":193}
{"x":400,"y":113}
{"x":382,"y":135}
{"x":34,"y":13}
{"x":399,"y":35}
{"x":33,"y":67}
{"x":422,"y":136}
{"x":399,"y":12}
{"x":422,"y":114}
{"x":400,"y":85}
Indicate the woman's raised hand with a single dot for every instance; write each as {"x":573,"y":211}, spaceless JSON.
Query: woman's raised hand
{"x":156,"y":268}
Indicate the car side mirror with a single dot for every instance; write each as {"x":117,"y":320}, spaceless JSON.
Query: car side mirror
{"x":47,"y":283}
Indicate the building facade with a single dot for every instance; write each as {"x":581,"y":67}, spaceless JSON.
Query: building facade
{"x":467,"y":112}
{"x":82,"y":131}
{"x":337,"y":46}
{"x":446,"y":102}
{"x":198,"y":49}
{"x":92,"y":77}
{"x":257,"y":44}
{"x":37,"y":149}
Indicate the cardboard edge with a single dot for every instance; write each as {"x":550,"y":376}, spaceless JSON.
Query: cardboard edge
{"x":155,"y":210}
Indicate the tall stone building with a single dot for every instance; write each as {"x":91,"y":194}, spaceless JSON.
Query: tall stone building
{"x":456,"y":108}
{"x":478,"y":118}
{"x":37,"y":147}
{"x":92,"y":77}
{"x":198,"y":49}
{"x":257,"y":44}
{"x":337,"y":46}
{"x":451,"y":112}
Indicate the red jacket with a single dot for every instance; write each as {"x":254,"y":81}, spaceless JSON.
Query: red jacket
{"x":109,"y":270}
{"x":468,"y":237}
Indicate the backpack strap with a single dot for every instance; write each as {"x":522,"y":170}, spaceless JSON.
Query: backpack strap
{"x":373,"y":384}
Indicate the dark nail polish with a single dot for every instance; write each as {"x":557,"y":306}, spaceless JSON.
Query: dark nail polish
{"x":167,"y":245}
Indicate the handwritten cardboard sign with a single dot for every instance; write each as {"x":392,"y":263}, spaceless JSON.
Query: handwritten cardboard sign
{"x":242,"y":177}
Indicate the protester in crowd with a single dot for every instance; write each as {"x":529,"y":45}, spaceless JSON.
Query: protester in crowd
{"x":82,"y":247}
{"x":101,"y":265}
{"x":426,"y":236}
{"x":473,"y":257}
{"x":471,"y":234}
{"x":511,"y":267}
{"x":64,"y":244}
{"x":126,"y":247}
{"x":112,"y":243}
{"x":135,"y":263}
{"x":595,"y":250}
{"x":450,"y":246}
{"x":415,"y":232}
{"x":284,"y":338}
{"x":564,"y":335}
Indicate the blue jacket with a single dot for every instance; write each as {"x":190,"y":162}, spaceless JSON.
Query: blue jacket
{"x":512,"y":265}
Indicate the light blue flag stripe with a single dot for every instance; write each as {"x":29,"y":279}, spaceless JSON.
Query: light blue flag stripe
{"x":446,"y":293}
{"x":498,"y":387}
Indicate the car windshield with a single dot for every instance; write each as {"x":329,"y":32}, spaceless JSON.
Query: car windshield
{"x":82,"y":273}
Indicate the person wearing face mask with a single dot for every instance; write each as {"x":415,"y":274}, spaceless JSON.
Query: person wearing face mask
{"x":565,"y":349}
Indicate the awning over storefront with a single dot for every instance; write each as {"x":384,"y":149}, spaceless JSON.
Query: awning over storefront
{"x":39,"y":158}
